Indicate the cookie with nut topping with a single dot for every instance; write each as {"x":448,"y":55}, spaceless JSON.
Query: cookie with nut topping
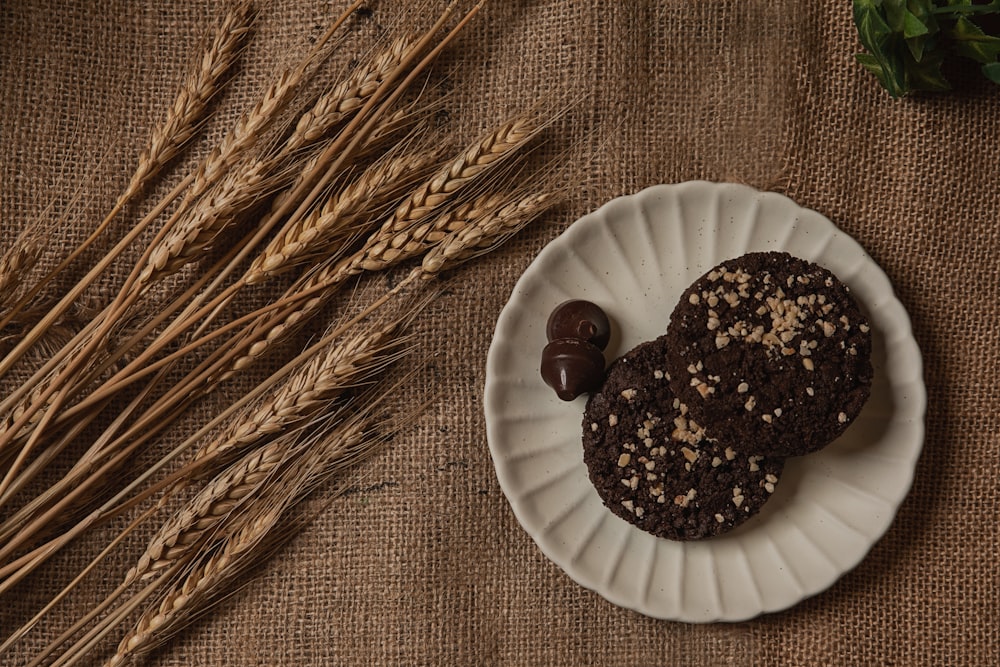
{"x":772,"y":353}
{"x":653,"y":465}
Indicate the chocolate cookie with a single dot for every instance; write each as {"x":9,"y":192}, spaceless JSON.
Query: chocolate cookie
{"x":771,"y":353}
{"x":653,"y":466}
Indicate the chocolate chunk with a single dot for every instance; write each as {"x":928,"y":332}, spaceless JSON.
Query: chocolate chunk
{"x":572,"y":367}
{"x":579,"y":319}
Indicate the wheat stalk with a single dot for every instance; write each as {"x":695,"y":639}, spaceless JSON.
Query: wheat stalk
{"x":348,"y":96}
{"x":486,"y":234}
{"x":256,"y":529}
{"x":155,"y":417}
{"x":201,"y":85}
{"x":181,"y":534}
{"x":342,"y":365}
{"x":316,"y":233}
{"x":166,"y":141}
{"x":15,"y":264}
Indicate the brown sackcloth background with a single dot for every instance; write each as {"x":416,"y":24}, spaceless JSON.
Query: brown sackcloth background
{"x":424,"y":563}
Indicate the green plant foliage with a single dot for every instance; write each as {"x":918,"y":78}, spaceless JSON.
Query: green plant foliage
{"x":908,"y":41}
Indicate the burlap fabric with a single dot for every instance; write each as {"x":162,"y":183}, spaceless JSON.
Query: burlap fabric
{"x":424,"y":563}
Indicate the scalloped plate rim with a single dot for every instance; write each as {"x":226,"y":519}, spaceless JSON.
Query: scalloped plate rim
{"x":902,"y":328}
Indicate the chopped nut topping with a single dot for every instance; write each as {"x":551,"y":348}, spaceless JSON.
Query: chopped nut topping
{"x":777,"y":412}
{"x":704,"y":389}
{"x":738,"y":500}
{"x":808,"y":363}
{"x":721,"y":342}
{"x":810,"y":391}
{"x":767,"y":418}
{"x":842,"y":417}
{"x":658,"y":374}
{"x":716,"y":462}
{"x":639,"y":512}
{"x":690,"y":455}
{"x":612,"y":420}
{"x":769,"y":487}
{"x":750,"y":404}
{"x":864,"y":328}
{"x":713,"y":323}
{"x":629,"y":394}
{"x":594,"y":427}
{"x":828,"y":329}
{"x":629,"y":505}
{"x":624,"y":460}
{"x":650,"y":465}
{"x":730,"y":454}
{"x":720,"y":518}
{"x":743,"y":388}
{"x":694,"y":299}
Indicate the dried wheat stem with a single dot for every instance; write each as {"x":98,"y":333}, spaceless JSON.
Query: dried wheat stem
{"x":342,"y":365}
{"x":252,"y":533}
{"x":263,"y":336}
{"x":15,"y":264}
{"x":182,"y":533}
{"x":486,"y":234}
{"x":156,"y":417}
{"x":348,"y":96}
{"x":172,"y":134}
{"x":316,"y":233}
{"x":192,"y":99}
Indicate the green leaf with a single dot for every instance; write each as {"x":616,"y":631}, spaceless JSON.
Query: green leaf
{"x":926,"y":74}
{"x":923,"y":12}
{"x":913,"y":26}
{"x":972,"y":42}
{"x":889,"y":82}
{"x":992,"y":72}
{"x":895,"y":15}
{"x":871,"y":25}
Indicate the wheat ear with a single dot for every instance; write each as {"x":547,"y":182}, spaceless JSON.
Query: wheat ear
{"x":213,"y":214}
{"x":344,"y":364}
{"x":396,"y":240}
{"x":317,"y":232}
{"x":168,"y":138}
{"x":486,"y":234}
{"x":256,"y":531}
{"x":183,"y":116}
{"x":348,"y":96}
{"x":180,"y":535}
{"x":489,"y":151}
{"x":15,"y":264}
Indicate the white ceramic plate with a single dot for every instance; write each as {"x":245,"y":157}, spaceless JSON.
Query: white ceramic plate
{"x":633,"y":257}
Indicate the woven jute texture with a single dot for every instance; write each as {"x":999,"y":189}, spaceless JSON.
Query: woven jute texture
{"x":423,"y":562}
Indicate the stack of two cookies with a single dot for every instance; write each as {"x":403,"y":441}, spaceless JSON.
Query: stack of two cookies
{"x":766,"y":356}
